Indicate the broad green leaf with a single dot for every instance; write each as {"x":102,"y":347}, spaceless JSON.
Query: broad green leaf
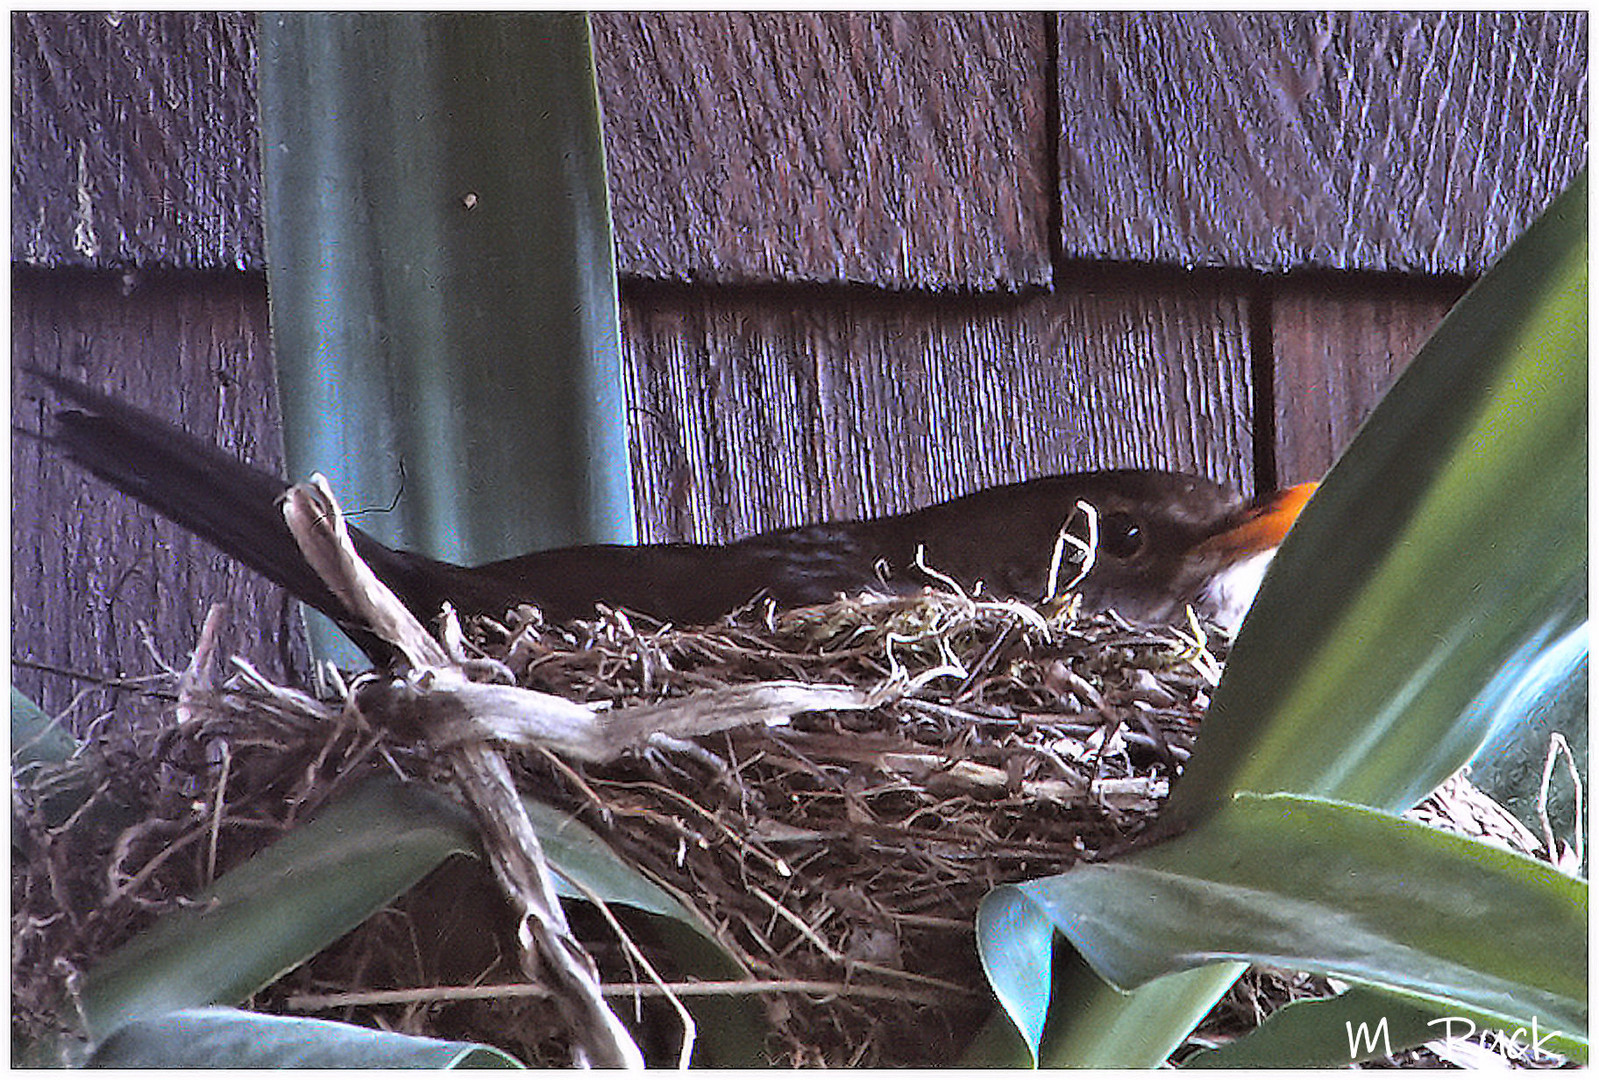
{"x":440,"y":267}
{"x":57,"y":773}
{"x":35,"y":735}
{"x":1016,"y":954}
{"x":1324,"y":1033}
{"x":326,"y":877}
{"x":1339,"y":889}
{"x":1106,"y":1028}
{"x":577,"y":854}
{"x":230,"y":1039}
{"x":998,"y":1045}
{"x":280,"y":908}
{"x":1101,"y":1031}
{"x":1550,"y":698}
{"x":1446,"y":550}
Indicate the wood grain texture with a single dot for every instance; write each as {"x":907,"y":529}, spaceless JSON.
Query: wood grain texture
{"x":88,"y":565}
{"x":1337,"y":346}
{"x":900,"y":150}
{"x":752,"y":411}
{"x":1348,"y":140}
{"x":896,"y":149}
{"x":133,"y":140}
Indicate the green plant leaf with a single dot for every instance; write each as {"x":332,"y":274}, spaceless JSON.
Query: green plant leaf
{"x":1315,"y":885}
{"x":1110,"y":1029}
{"x":443,"y":292}
{"x":283,"y":906}
{"x":35,"y":735}
{"x":1324,"y":1033}
{"x":1015,"y":939}
{"x":1102,"y":1031}
{"x":1444,"y":552}
{"x":57,"y":774}
{"x":1550,"y":698}
{"x":577,"y":854}
{"x":231,"y":1039}
{"x":1446,"y":549}
{"x":325,"y":878}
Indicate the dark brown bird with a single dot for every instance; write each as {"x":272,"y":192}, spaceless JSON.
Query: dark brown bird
{"x":1165,"y":540}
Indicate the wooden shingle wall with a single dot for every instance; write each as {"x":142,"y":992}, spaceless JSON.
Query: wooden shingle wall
{"x":1419,"y":142}
{"x":868,"y":260}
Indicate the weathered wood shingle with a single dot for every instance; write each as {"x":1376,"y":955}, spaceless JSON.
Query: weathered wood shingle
{"x":906,"y":150}
{"x":96,"y":575}
{"x":133,"y":140}
{"x":899,"y":150}
{"x":753,"y":412}
{"x":893,"y":149}
{"x":1416,"y":142}
{"x":1337,"y":345}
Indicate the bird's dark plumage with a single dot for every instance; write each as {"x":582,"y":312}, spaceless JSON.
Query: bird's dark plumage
{"x":1162,"y":538}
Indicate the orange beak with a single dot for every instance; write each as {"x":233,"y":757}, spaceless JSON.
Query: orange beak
{"x":1265,"y":524}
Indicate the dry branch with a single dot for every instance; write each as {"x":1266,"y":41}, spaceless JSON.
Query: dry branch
{"x":549,"y":950}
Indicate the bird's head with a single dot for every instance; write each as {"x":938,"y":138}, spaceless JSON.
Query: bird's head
{"x":1167,"y":540}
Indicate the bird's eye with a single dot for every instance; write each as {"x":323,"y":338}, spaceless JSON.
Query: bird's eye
{"x":1120,"y":536}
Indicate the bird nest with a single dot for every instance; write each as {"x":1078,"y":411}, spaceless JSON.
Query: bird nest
{"x":869,"y":770}
{"x":842,"y":855}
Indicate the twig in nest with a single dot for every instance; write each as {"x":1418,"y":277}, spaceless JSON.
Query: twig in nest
{"x":920,"y":563}
{"x":1002,"y":641}
{"x":216,"y":811}
{"x":129,"y":885}
{"x":1197,"y":652}
{"x":314,"y":517}
{"x":453,"y":710}
{"x":547,"y":942}
{"x":197,"y":676}
{"x":1571,"y":858}
{"x":542,"y":930}
{"x":686,"y":1051}
{"x":708,"y":988}
{"x":285,"y":697}
{"x":1054,"y":593}
{"x":798,"y":923}
{"x":776,"y":862}
{"x":147,"y":638}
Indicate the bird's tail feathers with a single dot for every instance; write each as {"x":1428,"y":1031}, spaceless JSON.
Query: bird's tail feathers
{"x":211,"y":493}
